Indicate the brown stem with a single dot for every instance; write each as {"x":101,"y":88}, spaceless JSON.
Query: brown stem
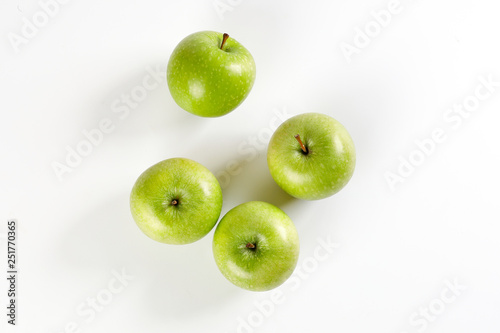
{"x":174,"y":202}
{"x":304,"y":149}
{"x":250,"y":246}
{"x":224,"y":38}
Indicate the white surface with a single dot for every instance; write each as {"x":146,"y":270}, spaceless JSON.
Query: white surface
{"x":395,"y":249}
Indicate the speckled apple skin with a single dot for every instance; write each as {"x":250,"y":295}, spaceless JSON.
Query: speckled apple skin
{"x":208,"y":81}
{"x":328,"y":166}
{"x":277,"y":246}
{"x":199,"y":198}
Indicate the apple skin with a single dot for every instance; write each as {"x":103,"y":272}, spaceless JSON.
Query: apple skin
{"x":208,"y":81}
{"x":325,"y":169}
{"x":276,"y":241}
{"x":198,"y":195}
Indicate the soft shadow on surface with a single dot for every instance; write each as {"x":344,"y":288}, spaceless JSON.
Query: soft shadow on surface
{"x":169,"y":280}
{"x":153,"y":113}
{"x":254,"y":183}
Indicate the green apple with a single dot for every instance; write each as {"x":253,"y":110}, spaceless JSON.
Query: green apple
{"x":209,"y":73}
{"x":311,"y":156}
{"x":256,"y":246}
{"x":176,"y":201}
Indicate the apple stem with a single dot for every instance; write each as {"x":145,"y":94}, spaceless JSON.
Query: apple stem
{"x":304,"y":149}
{"x":174,"y":202}
{"x":224,"y":38}
{"x":250,"y":246}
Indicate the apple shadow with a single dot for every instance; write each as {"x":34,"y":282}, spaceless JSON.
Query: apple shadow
{"x":254,"y":183}
{"x":170,"y":281}
{"x":153,"y":114}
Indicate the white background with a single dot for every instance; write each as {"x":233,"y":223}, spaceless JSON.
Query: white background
{"x":396,"y":247}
